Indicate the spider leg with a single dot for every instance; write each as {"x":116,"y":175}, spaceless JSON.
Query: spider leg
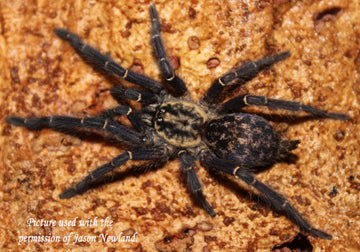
{"x":131,"y":114}
{"x":119,"y":93}
{"x":245,"y":100}
{"x":242,"y":74}
{"x":187,"y":166}
{"x":96,"y":58}
{"x":136,"y":154}
{"x":165,"y":66}
{"x":66,"y":123}
{"x":272,"y":197}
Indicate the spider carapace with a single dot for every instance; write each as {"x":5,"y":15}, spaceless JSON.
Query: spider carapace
{"x":170,"y":125}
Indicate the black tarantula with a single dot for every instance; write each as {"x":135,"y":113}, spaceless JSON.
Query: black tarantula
{"x":171,"y":125}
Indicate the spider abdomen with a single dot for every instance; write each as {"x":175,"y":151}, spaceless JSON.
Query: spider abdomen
{"x":179,"y":123}
{"x":248,"y":140}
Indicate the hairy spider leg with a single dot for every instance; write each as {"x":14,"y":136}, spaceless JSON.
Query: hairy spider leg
{"x":272,"y":197}
{"x":136,"y":154}
{"x":187,"y":167}
{"x":242,"y":74}
{"x":165,"y":66}
{"x":120,"y":93}
{"x":131,"y":114}
{"x":96,"y":58}
{"x":239,"y":102}
{"x":67,"y":123}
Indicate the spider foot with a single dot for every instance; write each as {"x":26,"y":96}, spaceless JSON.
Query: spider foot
{"x":338,"y":116}
{"x":15,"y":120}
{"x":201,"y":200}
{"x":69,"y":193}
{"x":318,"y":233}
{"x":36,"y":123}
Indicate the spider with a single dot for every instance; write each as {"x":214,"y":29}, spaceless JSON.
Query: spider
{"x":170,"y":125}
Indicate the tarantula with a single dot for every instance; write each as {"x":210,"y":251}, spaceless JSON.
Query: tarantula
{"x":171,"y":125}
